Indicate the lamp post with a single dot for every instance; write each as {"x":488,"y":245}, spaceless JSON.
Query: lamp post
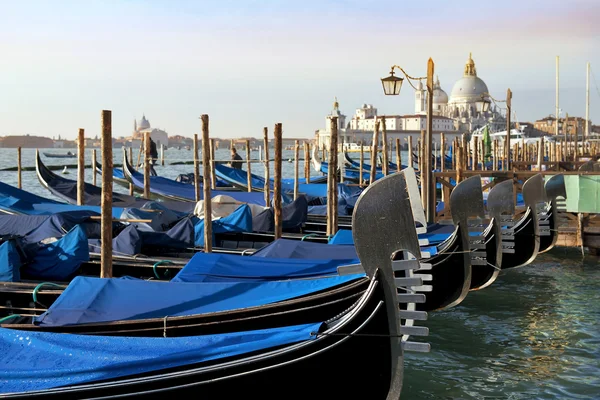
{"x":391,"y":87}
{"x":483,"y":105}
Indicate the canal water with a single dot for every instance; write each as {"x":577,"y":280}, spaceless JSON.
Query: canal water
{"x":533,"y":334}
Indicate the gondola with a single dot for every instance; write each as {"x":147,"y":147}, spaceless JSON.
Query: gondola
{"x":67,"y":155}
{"x":520,"y":239}
{"x":168,"y":189}
{"x":66,"y":189}
{"x":547,"y":217}
{"x":372,"y":332}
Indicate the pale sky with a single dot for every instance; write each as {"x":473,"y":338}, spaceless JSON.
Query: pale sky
{"x":250,"y":64}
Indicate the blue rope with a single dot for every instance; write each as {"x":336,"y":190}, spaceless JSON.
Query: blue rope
{"x":38,"y":287}
{"x":160,"y":263}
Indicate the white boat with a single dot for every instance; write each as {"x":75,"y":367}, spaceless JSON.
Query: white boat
{"x":517,"y":136}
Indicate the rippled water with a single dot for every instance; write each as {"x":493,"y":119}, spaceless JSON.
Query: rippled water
{"x":533,"y":334}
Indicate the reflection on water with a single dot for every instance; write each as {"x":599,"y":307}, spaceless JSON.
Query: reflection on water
{"x":533,"y":334}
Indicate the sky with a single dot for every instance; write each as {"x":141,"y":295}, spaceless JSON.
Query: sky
{"x":250,"y":64}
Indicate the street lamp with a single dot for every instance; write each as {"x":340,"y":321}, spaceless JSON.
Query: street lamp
{"x":392,"y":84}
{"x":483,"y":105}
{"x":391,"y":87}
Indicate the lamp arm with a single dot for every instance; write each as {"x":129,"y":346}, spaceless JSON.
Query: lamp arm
{"x":408,"y":77}
{"x":493,"y":99}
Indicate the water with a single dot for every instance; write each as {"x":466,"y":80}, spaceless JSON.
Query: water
{"x":533,"y":334}
{"x":8,"y":158}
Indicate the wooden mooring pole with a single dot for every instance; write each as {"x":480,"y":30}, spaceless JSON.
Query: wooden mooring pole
{"x":19,"y":183}
{"x":94,"y":166}
{"x":147,"y":165}
{"x":332,"y":176}
{"x":296,"y":151}
{"x":80,"y":167}
{"x":106,"y":202}
{"x":206,"y":153}
{"x":249,"y":166}
{"x":267,"y":188}
{"x":277,"y":184}
{"x":205,"y":167}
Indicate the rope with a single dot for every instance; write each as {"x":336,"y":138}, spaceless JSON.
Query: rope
{"x":308,"y":235}
{"x":9,"y":317}
{"x":38,"y":287}
{"x":161,"y":263}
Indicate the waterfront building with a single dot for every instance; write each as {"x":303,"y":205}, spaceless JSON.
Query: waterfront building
{"x":569,"y":126}
{"x":454,"y":115}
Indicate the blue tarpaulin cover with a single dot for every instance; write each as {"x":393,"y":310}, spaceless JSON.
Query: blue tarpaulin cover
{"x":18,"y":201}
{"x":88,"y":299}
{"x":344,"y":237}
{"x":239,"y":178}
{"x":287,"y":248}
{"x":61,"y":259}
{"x":43,"y":360}
{"x":294,"y":215}
{"x":238,"y":221}
{"x":212,"y":267}
{"x":10,"y":262}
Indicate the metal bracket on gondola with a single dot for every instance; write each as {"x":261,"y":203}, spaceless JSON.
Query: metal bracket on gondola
{"x":350,"y":269}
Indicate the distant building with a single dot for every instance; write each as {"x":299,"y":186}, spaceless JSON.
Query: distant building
{"x":461,"y":107}
{"x":570,"y":125}
{"x":142,"y":126}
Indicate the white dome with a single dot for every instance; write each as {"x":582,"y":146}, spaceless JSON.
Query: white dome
{"x":143,"y":123}
{"x":439,"y":96}
{"x":469,"y":88}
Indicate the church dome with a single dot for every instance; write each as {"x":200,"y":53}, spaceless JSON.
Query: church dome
{"x":470,"y":87}
{"x":439,"y":96}
{"x":143,"y":123}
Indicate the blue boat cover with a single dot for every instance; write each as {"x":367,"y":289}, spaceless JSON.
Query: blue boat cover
{"x":43,"y":360}
{"x":10,"y":262}
{"x":238,"y":221}
{"x":91,"y":300}
{"x":20,"y":225}
{"x":57,"y":225}
{"x":212,"y":267}
{"x":17,"y":201}
{"x":344,"y":237}
{"x":239,"y":178}
{"x":160,"y":221}
{"x":170,"y":188}
{"x":127,"y":242}
{"x":294,"y":215}
{"x":61,"y":259}
{"x":287,"y":248}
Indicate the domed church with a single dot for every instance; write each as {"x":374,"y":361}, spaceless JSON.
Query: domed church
{"x":143,"y":125}
{"x":461,"y":106}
